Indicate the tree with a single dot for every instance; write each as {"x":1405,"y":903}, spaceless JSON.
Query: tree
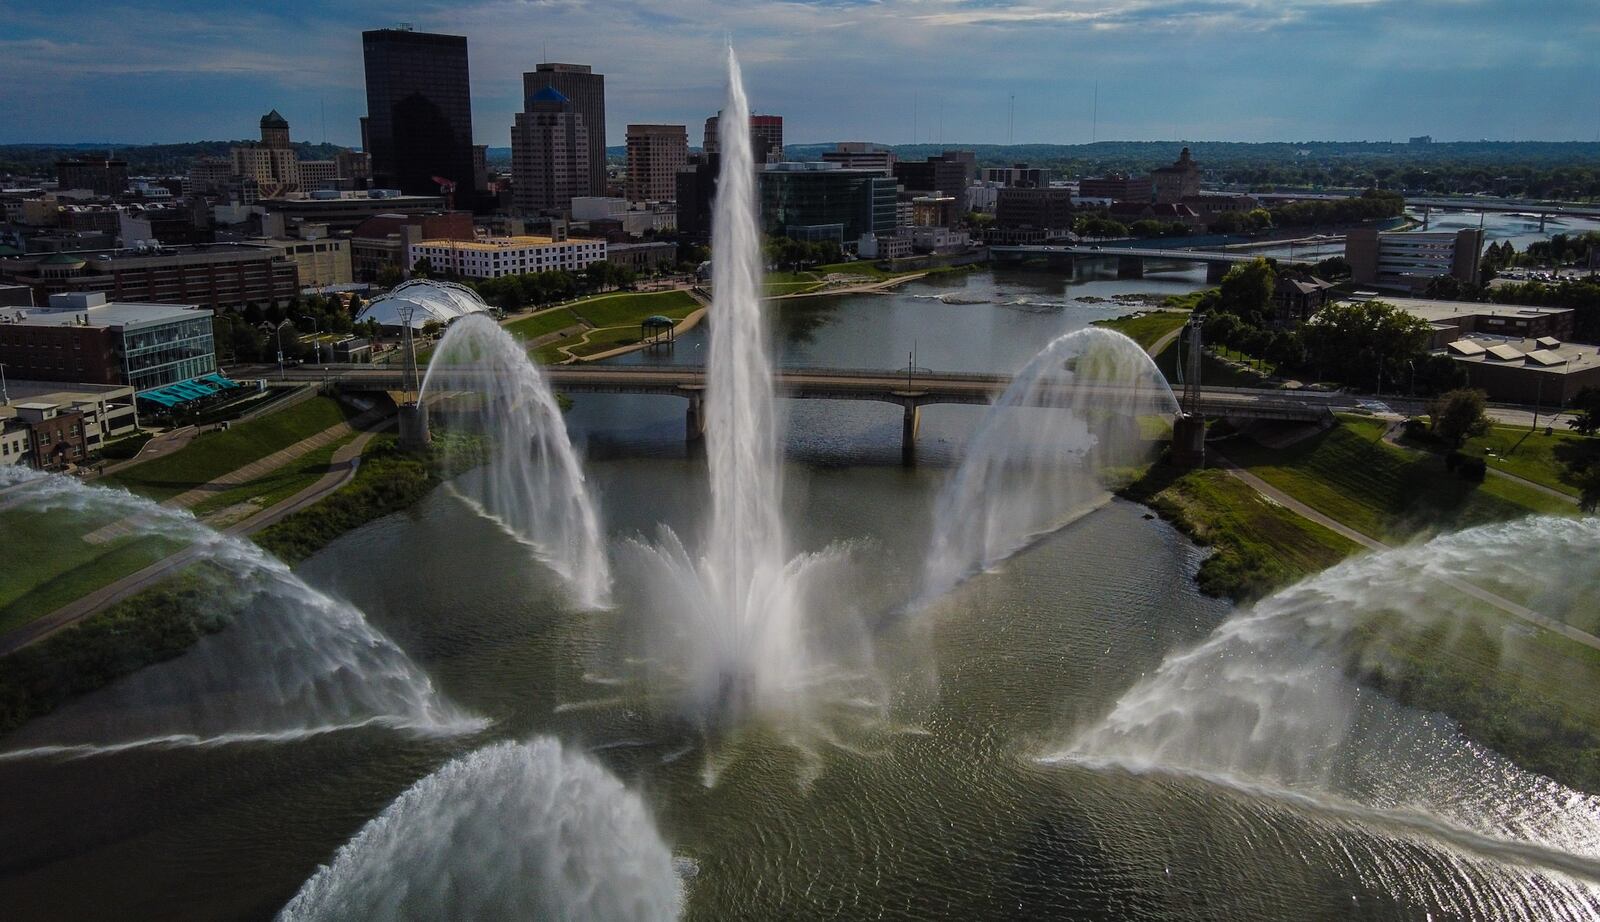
{"x":1246,"y":290}
{"x":1229,"y":222}
{"x":1146,"y":228}
{"x":390,"y":275}
{"x":423,"y":268}
{"x":1587,"y":403}
{"x":1365,"y":342}
{"x":1458,"y":415}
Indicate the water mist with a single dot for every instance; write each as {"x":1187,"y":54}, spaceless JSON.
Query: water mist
{"x":1038,"y":457}
{"x":288,"y":661}
{"x":731,"y":629}
{"x":511,"y":831}
{"x":1267,"y":707}
{"x":531,"y":483}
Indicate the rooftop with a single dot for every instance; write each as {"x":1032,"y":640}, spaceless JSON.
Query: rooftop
{"x":114,"y":314}
{"x":497,"y":244}
{"x":1448,"y":311}
{"x":1526,"y":354}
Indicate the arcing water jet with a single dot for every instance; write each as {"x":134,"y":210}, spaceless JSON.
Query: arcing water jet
{"x":289,"y":662}
{"x":1038,"y":458}
{"x":532,"y":483}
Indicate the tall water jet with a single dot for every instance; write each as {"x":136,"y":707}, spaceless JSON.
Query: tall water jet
{"x":732,"y":633}
{"x":511,"y":831}
{"x":531,"y":483}
{"x":1268,"y":705}
{"x":282,"y":660}
{"x":1040,"y":454}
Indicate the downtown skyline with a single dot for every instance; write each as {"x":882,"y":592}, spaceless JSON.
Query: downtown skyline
{"x":899,"y":71}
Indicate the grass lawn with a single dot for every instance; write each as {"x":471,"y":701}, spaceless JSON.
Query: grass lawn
{"x":278,"y":485}
{"x":1350,"y":474}
{"x":632,"y":307}
{"x":601,"y":340}
{"x":1257,"y":545}
{"x":861,"y":267}
{"x":1145,"y":329}
{"x":1535,"y":456}
{"x":542,"y":324}
{"x":49,"y":564}
{"x":216,"y":453}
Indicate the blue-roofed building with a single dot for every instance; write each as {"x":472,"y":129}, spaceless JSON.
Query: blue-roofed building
{"x":550,"y":155}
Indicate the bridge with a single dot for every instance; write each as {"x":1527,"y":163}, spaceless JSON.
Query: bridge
{"x":911,"y":392}
{"x":1542,"y":210}
{"x":1131,"y":260}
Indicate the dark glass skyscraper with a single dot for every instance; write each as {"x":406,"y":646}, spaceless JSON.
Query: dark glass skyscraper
{"x":419,"y":111}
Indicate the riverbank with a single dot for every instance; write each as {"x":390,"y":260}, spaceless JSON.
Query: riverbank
{"x":1530,"y":693}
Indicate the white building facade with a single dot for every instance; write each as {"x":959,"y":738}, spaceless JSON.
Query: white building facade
{"x":494,"y":257}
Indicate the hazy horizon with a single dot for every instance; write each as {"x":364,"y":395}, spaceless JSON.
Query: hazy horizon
{"x":895,"y":72}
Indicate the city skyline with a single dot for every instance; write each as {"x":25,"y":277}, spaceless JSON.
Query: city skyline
{"x":930,"y":71}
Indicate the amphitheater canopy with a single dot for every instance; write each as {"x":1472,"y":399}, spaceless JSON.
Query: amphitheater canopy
{"x":427,"y":300}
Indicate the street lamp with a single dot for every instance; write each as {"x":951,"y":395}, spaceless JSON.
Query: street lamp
{"x":316,"y":337}
{"x":5,"y":395}
{"x":267,"y":325}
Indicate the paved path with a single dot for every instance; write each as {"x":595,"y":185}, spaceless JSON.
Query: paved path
{"x":345,"y":463}
{"x":1392,"y":436}
{"x":1483,"y":595}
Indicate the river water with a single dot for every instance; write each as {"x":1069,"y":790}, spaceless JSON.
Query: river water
{"x":939,"y":803}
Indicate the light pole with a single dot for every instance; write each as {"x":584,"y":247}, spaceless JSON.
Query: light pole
{"x":5,"y":395}
{"x":316,"y":337}
{"x":279,"y":330}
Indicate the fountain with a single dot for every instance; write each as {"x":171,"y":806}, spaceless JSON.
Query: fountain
{"x":532,"y":484}
{"x":1265,"y":706}
{"x":290,"y":661}
{"x":511,"y":831}
{"x":1037,"y":459}
{"x":731,"y":624}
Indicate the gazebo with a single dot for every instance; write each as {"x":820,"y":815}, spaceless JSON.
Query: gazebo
{"x":650,"y":330}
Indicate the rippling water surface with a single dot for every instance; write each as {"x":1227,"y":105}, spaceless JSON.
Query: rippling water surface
{"x":934,"y":796}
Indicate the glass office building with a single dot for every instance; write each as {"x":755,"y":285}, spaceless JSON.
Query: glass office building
{"x":419,"y":111}
{"x":798,"y":198}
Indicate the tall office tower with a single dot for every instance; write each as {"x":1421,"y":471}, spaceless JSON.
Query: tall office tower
{"x":272,"y":164}
{"x":766,"y":137}
{"x":274,"y":130}
{"x":419,"y":111}
{"x":549,"y":154}
{"x":587,"y":91}
{"x":655,"y":153}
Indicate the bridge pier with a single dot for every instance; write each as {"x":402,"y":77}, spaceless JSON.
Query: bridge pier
{"x":694,"y":419}
{"x":414,"y":434}
{"x":1189,"y":441}
{"x":1542,"y":218}
{"x":909,"y":425}
{"x":1130,"y":267}
{"x":1215,"y":272}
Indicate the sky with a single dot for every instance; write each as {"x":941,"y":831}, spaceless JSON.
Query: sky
{"x":890,"y":71}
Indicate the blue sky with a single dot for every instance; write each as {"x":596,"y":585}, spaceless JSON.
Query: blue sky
{"x":1247,"y":70}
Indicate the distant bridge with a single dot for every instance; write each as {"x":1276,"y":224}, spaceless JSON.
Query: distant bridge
{"x":1130,"y":260}
{"x":910,"y":392}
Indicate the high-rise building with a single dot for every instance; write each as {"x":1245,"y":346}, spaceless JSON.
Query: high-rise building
{"x":860,"y":155}
{"x":947,"y":174}
{"x":100,"y":175}
{"x":696,"y":193}
{"x":819,"y":201}
{"x":549,"y":154}
{"x":766,"y":137}
{"x":1175,"y":183}
{"x":655,"y":154}
{"x":272,"y":163}
{"x":419,"y":110}
{"x":587,"y":91}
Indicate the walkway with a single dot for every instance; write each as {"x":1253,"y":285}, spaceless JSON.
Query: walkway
{"x":1392,"y":436}
{"x":346,"y":461}
{"x":238,"y":477}
{"x":1483,"y":595}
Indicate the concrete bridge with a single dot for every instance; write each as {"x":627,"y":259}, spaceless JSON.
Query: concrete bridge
{"x":909,"y":392}
{"x":1130,"y":260}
